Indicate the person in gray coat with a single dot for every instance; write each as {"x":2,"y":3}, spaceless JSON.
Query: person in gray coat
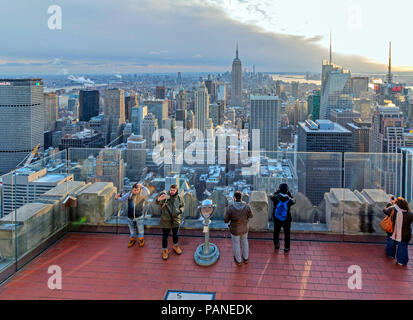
{"x":238,"y":215}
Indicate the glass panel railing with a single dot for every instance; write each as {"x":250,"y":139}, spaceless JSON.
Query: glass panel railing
{"x":315,"y":181}
{"x":7,"y":227}
{"x":405,"y":175}
{"x":370,"y":180}
{"x":37,"y":214}
{"x":326,"y":186}
{"x":310,"y":176}
{"x":113,"y":171}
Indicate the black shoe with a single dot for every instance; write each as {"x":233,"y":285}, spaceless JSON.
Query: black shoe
{"x":286,"y":250}
{"x":245,"y":260}
{"x":277,"y":247}
{"x":237,"y":263}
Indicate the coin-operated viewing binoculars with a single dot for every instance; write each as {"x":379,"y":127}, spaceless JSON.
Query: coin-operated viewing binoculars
{"x":207,"y":253}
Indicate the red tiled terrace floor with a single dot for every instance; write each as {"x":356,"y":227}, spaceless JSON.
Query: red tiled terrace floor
{"x":100,"y":266}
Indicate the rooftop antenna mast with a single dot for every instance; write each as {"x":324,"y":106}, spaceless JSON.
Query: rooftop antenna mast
{"x":331,"y":50}
{"x":389,"y":76}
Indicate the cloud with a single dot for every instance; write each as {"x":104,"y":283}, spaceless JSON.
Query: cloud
{"x":155,"y":53}
{"x":98,"y":35}
{"x":81,"y":80}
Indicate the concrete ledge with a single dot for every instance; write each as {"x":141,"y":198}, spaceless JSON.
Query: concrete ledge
{"x":95,"y":203}
{"x":356,"y":213}
{"x":35,"y":222}
{"x":65,"y":189}
{"x":259,"y":207}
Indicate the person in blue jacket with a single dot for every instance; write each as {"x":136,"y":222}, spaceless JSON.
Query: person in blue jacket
{"x":282,"y":200}
{"x":136,"y":198}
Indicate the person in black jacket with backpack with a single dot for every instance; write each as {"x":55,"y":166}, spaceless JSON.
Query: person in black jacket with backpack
{"x":282,"y":200}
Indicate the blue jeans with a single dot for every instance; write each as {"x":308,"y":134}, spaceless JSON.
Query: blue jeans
{"x":136,"y":227}
{"x":398,"y":250}
{"x":237,"y":241}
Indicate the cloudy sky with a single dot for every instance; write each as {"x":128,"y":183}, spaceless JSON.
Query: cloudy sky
{"x":108,"y":36}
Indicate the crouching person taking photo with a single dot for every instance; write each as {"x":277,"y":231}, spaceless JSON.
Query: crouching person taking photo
{"x":136,"y":198}
{"x":172,"y":206}
{"x":238,"y":215}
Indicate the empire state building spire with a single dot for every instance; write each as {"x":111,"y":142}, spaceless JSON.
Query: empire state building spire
{"x":236,"y":84}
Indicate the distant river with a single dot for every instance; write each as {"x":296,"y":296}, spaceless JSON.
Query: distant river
{"x":297,"y":78}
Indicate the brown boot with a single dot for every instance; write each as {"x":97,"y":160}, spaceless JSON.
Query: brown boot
{"x":165,"y":254}
{"x":177,"y":250}
{"x":132,"y":242}
{"x":141,"y":242}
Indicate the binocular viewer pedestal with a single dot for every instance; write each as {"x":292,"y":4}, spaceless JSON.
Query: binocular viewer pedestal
{"x":207,"y":253}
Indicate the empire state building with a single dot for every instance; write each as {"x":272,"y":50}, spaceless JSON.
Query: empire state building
{"x":236,"y":84}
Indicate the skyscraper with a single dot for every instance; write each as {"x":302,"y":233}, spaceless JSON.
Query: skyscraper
{"x":221,"y":92}
{"x":130,"y":102}
{"x":73,"y":105}
{"x":211,"y":87}
{"x":181,"y":100}
{"x":181,"y":112}
{"x":323,"y":136}
{"x":387,"y":130}
{"x":360,"y":86}
{"x":50,"y":111}
{"x":216,"y":113}
{"x":21,"y":120}
{"x":28,"y":184}
{"x":236,"y":84}
{"x":201,"y":109}
{"x":190,"y":120}
{"x":149,"y":130}
{"x":294,"y":89}
{"x":110,"y":167}
{"x":320,"y":172}
{"x":160,"y":92}
{"x":336,"y":91}
{"x":114,"y":112}
{"x":232,"y":115}
{"x":361,"y":134}
{"x":179,"y":80}
{"x":159,"y":108}
{"x":136,"y":157}
{"x":342,"y":117}
{"x":265,"y":113}
{"x":88,"y":104}
{"x":398,"y":93}
{"x":137,"y":115}
{"x":386,"y":136}
{"x":278,"y":88}
{"x":314,"y":105}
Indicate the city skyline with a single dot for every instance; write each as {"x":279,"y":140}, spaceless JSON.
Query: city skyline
{"x":159,"y":44}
